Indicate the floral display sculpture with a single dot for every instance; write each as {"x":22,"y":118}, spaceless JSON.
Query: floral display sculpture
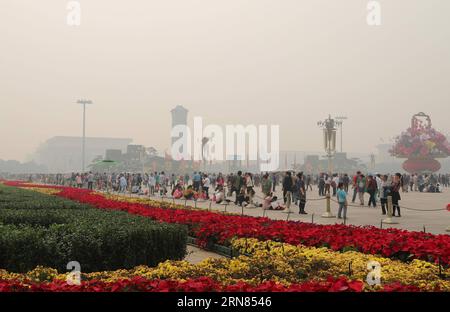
{"x":421,"y":145}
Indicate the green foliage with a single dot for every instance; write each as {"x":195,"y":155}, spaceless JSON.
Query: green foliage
{"x":98,"y":240}
{"x":15,"y":198}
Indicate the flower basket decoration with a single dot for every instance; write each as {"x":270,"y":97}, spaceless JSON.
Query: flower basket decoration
{"x":421,"y":144}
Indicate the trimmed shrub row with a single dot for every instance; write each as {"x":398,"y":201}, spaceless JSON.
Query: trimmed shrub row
{"x":16,"y":198}
{"x":98,"y":240}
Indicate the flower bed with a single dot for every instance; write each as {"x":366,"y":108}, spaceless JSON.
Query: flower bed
{"x":264,"y":264}
{"x":341,"y":284}
{"x":212,"y":227}
{"x":153,"y":203}
{"x":280,"y":267}
{"x":293,"y":261}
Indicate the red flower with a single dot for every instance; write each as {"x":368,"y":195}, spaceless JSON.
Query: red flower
{"x":212,"y":227}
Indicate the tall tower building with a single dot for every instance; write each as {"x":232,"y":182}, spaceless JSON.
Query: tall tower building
{"x":179,"y":117}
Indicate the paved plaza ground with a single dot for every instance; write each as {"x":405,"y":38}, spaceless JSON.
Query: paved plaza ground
{"x":196,"y":255}
{"x":426,"y":216}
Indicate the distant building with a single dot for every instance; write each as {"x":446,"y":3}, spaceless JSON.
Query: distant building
{"x":134,"y":152}
{"x":340,"y":163}
{"x":113,"y":154}
{"x":63,"y":153}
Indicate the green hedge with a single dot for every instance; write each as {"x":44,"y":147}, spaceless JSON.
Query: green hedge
{"x":15,"y":198}
{"x":98,"y":240}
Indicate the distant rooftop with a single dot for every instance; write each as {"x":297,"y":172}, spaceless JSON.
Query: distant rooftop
{"x":77,"y":138}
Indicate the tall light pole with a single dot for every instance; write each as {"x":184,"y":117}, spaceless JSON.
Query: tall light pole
{"x":329,"y":139}
{"x":339,"y":122}
{"x":83,"y":153}
{"x":329,"y":142}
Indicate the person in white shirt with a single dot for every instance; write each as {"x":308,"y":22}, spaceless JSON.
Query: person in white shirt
{"x":379,"y":185}
{"x":328,"y":181}
{"x":151,"y":184}
{"x":123,"y":184}
{"x":206,"y":185}
{"x":416,"y":182}
{"x":249,"y":185}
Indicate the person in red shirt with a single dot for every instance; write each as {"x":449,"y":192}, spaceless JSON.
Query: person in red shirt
{"x":355,"y":186}
{"x":372,"y":190}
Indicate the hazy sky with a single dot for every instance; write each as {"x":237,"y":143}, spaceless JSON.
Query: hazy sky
{"x":286,"y":62}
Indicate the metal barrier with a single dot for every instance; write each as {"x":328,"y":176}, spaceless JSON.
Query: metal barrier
{"x":328,"y":213}
{"x":389,"y":220}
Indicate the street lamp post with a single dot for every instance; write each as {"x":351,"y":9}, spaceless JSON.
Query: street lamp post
{"x":83,"y":153}
{"x":329,"y":139}
{"x":339,"y":122}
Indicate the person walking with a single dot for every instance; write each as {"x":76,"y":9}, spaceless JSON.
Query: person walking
{"x":274,"y":182}
{"x":328,"y":181}
{"x":372,"y":190}
{"x":157,"y":182}
{"x":416,"y":182}
{"x":321,"y":185}
{"x":346,"y":182}
{"x":90,"y":180}
{"x":123,"y":184}
{"x":361,"y":185}
{"x":405,"y":183}
{"x":378,"y":179}
{"x":341,"y":195}
{"x":237,"y":186}
{"x":206,"y":185}
{"x":308,"y":182}
{"x":250,"y":187}
{"x":266,"y":185}
{"x":196,"y":180}
{"x":396,"y":186}
{"x":385,"y":190}
{"x":287,"y":190}
{"x":79,"y":181}
{"x":335,"y":182}
{"x":301,"y":188}
{"x":163,"y":182}
{"x":151,"y":184}
{"x":355,"y":185}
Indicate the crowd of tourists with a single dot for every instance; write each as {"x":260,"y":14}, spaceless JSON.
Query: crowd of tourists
{"x":240,"y":188}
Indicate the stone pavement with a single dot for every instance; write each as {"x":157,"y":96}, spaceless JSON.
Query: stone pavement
{"x":196,"y":255}
{"x":434,"y":221}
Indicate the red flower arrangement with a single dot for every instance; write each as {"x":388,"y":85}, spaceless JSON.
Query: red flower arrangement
{"x":212,"y":227}
{"x":202,"y":284}
{"x":421,"y":141}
